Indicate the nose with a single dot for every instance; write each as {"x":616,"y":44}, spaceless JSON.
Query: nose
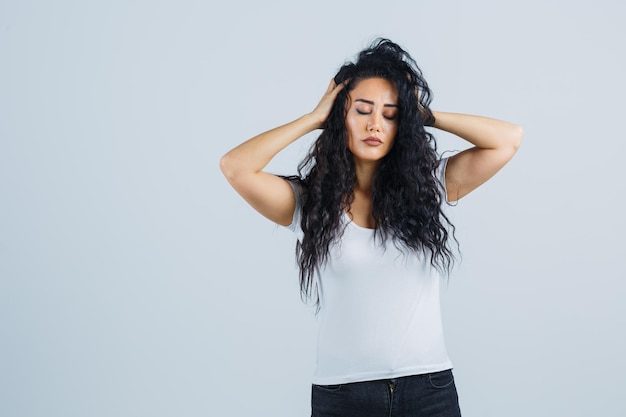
{"x":374,"y":122}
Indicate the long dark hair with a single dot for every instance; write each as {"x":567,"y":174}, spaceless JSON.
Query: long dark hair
{"x":407,"y":197}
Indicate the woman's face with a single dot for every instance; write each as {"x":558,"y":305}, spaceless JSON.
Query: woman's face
{"x":372,"y":119}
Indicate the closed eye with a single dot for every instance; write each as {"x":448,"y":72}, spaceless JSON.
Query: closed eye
{"x":388,"y":117}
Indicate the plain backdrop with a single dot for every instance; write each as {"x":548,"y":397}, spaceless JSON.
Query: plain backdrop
{"x":135,"y":282}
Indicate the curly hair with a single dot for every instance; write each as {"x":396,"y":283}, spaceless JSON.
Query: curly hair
{"x":407,"y":197}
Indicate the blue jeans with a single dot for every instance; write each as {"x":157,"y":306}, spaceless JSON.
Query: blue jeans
{"x":427,"y":395}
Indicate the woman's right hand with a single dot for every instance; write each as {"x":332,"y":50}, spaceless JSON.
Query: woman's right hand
{"x":322,"y":110}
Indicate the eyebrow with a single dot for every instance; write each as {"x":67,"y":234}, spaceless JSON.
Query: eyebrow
{"x":371,"y":103}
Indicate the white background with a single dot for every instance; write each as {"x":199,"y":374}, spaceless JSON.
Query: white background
{"x":135,"y":282}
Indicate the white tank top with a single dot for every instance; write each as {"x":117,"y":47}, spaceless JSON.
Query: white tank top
{"x":379,"y":311}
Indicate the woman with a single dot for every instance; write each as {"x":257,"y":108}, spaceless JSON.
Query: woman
{"x":373,"y":238}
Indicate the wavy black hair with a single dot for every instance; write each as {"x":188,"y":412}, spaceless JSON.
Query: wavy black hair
{"x":407,"y":197}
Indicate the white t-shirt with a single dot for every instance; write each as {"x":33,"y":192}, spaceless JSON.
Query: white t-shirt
{"x":379,"y":311}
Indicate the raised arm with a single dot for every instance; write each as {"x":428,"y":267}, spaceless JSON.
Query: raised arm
{"x":243,"y":166}
{"x":495,"y":142}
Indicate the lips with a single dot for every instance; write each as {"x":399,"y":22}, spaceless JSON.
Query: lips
{"x":373,"y":141}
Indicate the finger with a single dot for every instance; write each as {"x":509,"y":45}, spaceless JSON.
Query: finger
{"x":331,"y":86}
{"x":338,"y":87}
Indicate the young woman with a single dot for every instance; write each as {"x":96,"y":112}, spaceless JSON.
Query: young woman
{"x":373,"y":238}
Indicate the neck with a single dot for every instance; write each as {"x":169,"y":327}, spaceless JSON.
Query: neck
{"x":365,"y":176}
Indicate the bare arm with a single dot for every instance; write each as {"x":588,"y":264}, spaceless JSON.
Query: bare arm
{"x":243,"y":166}
{"x":495,"y":142}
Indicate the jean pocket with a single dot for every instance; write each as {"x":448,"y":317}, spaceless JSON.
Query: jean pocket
{"x":328,"y":388}
{"x":443,"y":379}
